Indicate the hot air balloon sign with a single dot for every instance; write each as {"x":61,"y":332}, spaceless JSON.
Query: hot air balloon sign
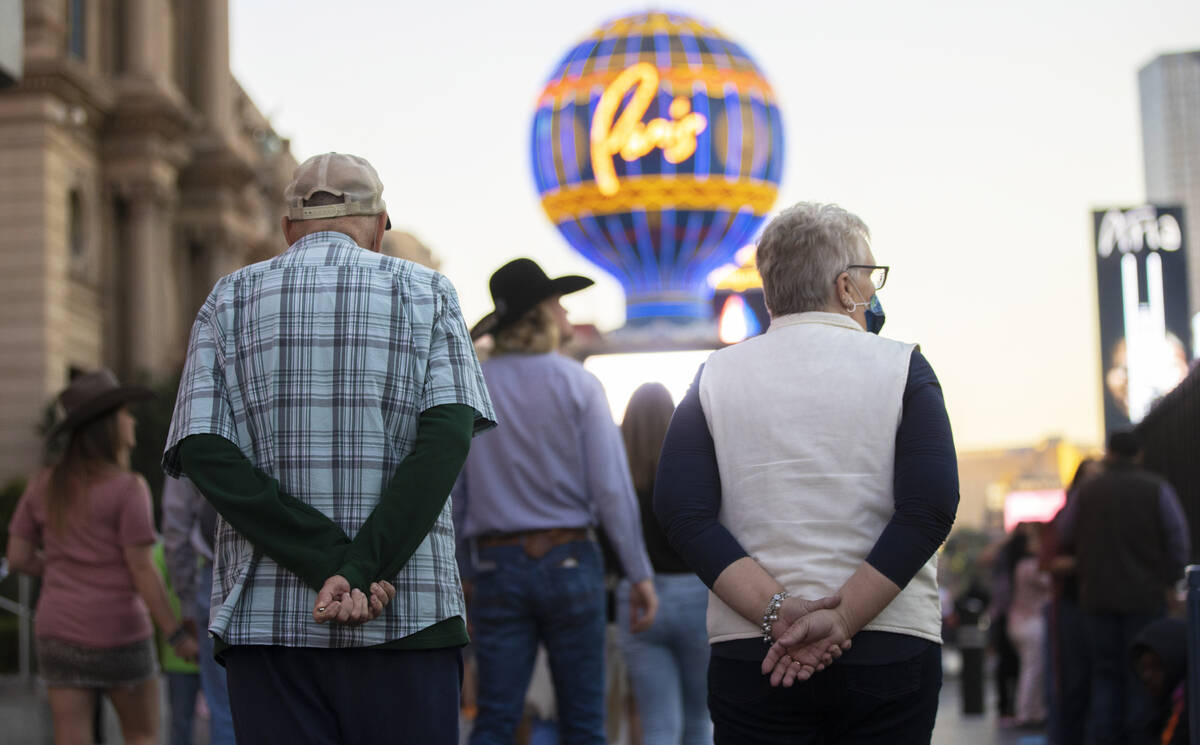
{"x":657,"y":152}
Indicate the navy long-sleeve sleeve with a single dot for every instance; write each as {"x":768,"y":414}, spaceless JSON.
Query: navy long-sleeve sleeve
{"x":687,"y":492}
{"x":925,"y":485}
{"x":687,"y":498}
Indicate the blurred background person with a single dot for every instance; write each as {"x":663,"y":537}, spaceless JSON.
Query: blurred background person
{"x":997,"y":557}
{"x":668,"y":662}
{"x":1159,"y":657}
{"x":189,"y":529}
{"x":183,"y":676}
{"x":1027,"y":623}
{"x":86,"y":526}
{"x":1069,"y":669}
{"x":1131,"y":542}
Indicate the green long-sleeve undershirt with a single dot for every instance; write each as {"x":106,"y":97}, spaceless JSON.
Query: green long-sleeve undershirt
{"x":304,"y":541}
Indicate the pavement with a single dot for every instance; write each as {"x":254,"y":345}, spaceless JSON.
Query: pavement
{"x":26,"y":717}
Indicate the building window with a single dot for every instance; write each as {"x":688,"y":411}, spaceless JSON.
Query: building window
{"x":77,"y":29}
{"x":75,"y":238}
{"x":118,"y":37}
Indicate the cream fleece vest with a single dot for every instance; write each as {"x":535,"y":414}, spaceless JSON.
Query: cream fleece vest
{"x":804,"y":421}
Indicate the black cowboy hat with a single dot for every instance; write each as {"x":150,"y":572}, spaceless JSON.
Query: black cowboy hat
{"x":517,"y":287}
{"x":91,"y":395}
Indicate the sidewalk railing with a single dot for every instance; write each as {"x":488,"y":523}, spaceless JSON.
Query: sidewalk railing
{"x":23,"y":611}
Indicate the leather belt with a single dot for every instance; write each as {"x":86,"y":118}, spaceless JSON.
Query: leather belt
{"x":535,"y":543}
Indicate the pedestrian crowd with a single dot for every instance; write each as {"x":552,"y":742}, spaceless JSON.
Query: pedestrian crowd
{"x":1086,"y":612}
{"x":353,"y":498}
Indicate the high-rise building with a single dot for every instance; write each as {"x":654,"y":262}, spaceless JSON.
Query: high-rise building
{"x":1170,"y":99}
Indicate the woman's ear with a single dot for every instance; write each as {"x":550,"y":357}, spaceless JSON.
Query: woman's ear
{"x":841,"y":287}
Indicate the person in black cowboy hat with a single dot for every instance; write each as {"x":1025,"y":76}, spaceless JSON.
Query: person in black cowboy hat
{"x":86,"y":527}
{"x":519,"y":286}
{"x":525,"y":508}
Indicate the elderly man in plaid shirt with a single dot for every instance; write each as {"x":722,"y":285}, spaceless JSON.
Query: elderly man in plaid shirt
{"x":327,"y":405}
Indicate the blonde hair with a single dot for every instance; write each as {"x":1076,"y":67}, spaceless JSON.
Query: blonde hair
{"x":644,"y":427}
{"x":536,"y":332}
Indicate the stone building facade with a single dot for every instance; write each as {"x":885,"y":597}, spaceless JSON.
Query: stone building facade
{"x":135,"y":172}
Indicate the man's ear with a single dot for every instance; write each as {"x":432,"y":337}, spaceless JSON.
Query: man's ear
{"x":381,"y":221}
{"x":285,"y":224}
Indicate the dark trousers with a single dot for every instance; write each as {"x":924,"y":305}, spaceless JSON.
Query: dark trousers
{"x":1008,"y":666}
{"x":893,"y":704}
{"x":1121,"y":708}
{"x":303,"y":696}
{"x":1074,"y":674}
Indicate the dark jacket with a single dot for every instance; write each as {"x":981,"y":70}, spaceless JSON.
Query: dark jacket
{"x":1168,"y":639}
{"x":1120,"y":542}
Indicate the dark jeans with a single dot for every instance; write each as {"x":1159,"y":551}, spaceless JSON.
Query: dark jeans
{"x":1121,"y":709}
{"x":305,"y":696}
{"x":519,"y":602}
{"x":212,"y":675}
{"x":1074,"y":674}
{"x":182,"y":689}
{"x":893,"y":704}
{"x":1008,"y":666}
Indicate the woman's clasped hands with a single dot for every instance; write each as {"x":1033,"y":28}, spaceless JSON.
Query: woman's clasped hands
{"x":809,"y":636}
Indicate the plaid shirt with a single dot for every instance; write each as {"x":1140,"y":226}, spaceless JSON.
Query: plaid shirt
{"x":317,"y":365}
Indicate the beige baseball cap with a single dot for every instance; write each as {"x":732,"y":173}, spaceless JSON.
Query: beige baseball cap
{"x":346,"y":176}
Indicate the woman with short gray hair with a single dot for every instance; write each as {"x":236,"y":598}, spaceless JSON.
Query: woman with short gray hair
{"x":816,"y":461}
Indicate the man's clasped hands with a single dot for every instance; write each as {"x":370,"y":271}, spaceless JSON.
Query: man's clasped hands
{"x":338,"y":602}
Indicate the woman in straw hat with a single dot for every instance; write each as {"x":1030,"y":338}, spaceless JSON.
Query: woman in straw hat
{"x":86,"y":527}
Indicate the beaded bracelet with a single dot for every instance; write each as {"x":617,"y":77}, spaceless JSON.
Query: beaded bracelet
{"x":177,"y":635}
{"x":771,"y":615}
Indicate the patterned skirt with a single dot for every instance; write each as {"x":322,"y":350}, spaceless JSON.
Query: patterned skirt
{"x":74,"y":666}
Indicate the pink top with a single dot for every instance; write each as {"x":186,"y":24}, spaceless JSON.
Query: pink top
{"x":88,"y":597}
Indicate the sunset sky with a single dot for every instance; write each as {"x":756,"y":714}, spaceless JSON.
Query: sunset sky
{"x":973,"y":138}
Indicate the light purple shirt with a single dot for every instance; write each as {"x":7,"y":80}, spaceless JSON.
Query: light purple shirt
{"x":556,"y":460}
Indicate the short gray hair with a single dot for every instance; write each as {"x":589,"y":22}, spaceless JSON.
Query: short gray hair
{"x":803,"y":250}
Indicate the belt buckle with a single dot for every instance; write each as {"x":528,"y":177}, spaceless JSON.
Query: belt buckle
{"x":536,"y":545}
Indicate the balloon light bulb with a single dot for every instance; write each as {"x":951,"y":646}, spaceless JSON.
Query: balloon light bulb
{"x":737,"y":321}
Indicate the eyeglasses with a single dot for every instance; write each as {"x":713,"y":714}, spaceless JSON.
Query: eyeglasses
{"x":879,"y":274}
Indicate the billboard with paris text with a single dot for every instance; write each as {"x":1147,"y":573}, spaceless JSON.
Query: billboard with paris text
{"x":1145,"y":334}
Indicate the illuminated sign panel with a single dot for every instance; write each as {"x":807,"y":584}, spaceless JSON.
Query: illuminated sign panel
{"x":1141,"y":275}
{"x":657,"y":149}
{"x":1037,"y":506}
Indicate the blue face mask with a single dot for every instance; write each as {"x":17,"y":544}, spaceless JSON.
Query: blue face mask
{"x":875,"y":315}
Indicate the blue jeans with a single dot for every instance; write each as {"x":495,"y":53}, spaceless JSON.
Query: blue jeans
{"x":519,"y":602}
{"x":1121,"y":708}
{"x":181,"y":692}
{"x":212,"y":675}
{"x":668,"y":663}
